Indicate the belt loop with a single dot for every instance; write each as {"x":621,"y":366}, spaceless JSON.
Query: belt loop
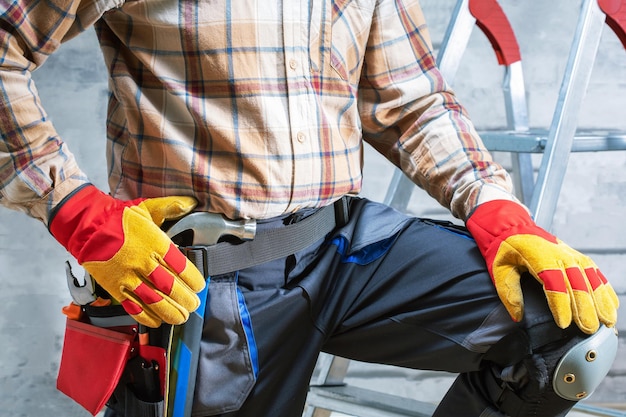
{"x":342,"y":213}
{"x":198,"y":256}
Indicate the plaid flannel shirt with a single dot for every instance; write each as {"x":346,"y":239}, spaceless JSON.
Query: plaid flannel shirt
{"x":256,"y":108}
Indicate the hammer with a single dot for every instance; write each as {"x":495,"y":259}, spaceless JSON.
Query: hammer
{"x":208,"y":228}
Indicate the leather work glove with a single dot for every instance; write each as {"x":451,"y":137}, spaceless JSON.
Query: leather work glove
{"x":121,"y":245}
{"x":512,"y":243}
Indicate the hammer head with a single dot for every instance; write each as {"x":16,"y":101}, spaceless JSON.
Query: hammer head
{"x":208,"y":228}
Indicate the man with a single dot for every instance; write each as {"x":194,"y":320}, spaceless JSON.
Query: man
{"x":258,"y":110}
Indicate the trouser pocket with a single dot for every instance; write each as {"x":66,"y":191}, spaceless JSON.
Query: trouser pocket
{"x":228,"y":365}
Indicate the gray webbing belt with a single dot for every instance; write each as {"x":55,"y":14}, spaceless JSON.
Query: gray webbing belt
{"x":267,"y":245}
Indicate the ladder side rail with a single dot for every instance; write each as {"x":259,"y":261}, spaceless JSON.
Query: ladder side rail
{"x":517,"y":121}
{"x":492,"y":20}
{"x":564,"y":122}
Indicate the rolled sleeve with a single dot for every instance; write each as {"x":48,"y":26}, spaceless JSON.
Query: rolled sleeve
{"x":413,"y":117}
{"x":36,"y":169}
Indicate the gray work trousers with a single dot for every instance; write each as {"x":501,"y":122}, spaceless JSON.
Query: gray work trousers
{"x":384,"y":288}
{"x":390,"y":289}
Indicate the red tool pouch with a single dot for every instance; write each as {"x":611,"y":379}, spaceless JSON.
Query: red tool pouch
{"x":92,"y":363}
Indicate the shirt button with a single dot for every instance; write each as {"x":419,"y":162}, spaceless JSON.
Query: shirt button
{"x":301,"y":137}
{"x":293,"y":64}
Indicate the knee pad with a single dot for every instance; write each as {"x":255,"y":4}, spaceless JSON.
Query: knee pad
{"x":543,"y":371}
{"x":583,"y":367}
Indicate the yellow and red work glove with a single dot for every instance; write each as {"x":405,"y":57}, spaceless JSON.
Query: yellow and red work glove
{"x":512,"y":243}
{"x":121,"y":245}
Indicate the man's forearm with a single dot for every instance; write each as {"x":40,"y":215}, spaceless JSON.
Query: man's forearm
{"x":36,"y":169}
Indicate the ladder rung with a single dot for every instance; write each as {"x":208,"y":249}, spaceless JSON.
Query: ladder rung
{"x":593,"y":410}
{"x":362,"y":402}
{"x":534,"y":141}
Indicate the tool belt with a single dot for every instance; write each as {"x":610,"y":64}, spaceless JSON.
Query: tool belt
{"x":266,"y":245}
{"x":109,"y":359}
{"x":103,"y":352}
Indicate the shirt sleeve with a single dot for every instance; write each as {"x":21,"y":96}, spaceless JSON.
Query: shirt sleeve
{"x":36,"y":169}
{"x":413,"y":117}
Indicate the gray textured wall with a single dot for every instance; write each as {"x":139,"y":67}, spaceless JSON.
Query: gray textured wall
{"x":592,"y":204}
{"x":73,"y":89}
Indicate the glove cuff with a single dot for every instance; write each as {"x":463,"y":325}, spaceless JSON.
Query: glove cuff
{"x":76,"y":215}
{"x":499,"y":219}
{"x":498,"y":216}
{"x":495,"y":221}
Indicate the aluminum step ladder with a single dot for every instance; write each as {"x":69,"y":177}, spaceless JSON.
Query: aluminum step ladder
{"x":490,"y":18}
{"x":328,"y":392}
{"x":563,"y":137}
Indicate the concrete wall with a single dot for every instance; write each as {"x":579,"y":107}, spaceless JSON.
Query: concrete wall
{"x":73,"y":89}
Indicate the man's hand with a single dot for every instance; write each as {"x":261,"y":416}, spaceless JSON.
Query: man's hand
{"x":121,"y":245}
{"x":512,"y":243}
